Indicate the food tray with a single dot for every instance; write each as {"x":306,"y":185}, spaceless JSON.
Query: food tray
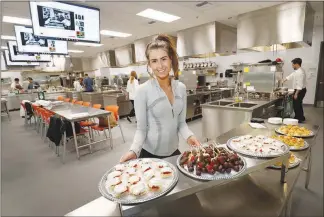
{"x":311,"y":135}
{"x":294,"y":148}
{"x":132,"y":200}
{"x":247,"y":153}
{"x":293,"y":165}
{"x":209,"y":177}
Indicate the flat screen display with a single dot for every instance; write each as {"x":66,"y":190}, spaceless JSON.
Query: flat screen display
{"x":27,"y":42}
{"x":10,"y":63}
{"x":14,"y":55}
{"x":65,"y":21}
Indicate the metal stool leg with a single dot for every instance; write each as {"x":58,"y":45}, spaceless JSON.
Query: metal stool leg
{"x":121,"y":131}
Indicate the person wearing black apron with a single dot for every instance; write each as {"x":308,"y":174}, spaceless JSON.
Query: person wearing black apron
{"x":298,"y":78}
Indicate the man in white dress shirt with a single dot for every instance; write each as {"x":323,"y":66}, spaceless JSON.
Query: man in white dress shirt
{"x":299,"y":85}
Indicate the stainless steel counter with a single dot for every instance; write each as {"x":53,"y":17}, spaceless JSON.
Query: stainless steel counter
{"x":92,"y":97}
{"x":224,"y":115}
{"x":259,"y":193}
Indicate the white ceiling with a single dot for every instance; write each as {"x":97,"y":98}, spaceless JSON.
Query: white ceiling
{"x":121,"y":16}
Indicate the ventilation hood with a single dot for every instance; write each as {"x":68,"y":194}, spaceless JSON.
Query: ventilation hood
{"x":206,"y":40}
{"x":125,"y":55}
{"x":280,"y":27}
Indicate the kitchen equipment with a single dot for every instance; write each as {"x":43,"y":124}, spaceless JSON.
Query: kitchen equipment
{"x":275,"y":120}
{"x":290,"y":121}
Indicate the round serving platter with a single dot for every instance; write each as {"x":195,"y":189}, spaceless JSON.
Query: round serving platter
{"x":294,"y":148}
{"x":129,"y":199}
{"x":291,"y":165}
{"x":285,"y":150}
{"x":311,"y":135}
{"x":208,"y":177}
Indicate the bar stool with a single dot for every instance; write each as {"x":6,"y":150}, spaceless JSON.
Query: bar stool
{"x":60,"y":98}
{"x":79,"y":102}
{"x":97,"y":106}
{"x":73,"y":101}
{"x":66,"y":100}
{"x":114,"y":109}
{"x":86,"y":104}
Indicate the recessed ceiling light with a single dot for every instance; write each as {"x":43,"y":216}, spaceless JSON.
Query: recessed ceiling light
{"x":18,"y":20}
{"x":158,"y":15}
{"x":8,"y":37}
{"x":75,"y":51}
{"x":4,"y":47}
{"x":114,"y":33}
{"x":87,"y":44}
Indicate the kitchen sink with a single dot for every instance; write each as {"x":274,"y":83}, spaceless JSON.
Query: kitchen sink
{"x":220,"y":103}
{"x":243,"y":105}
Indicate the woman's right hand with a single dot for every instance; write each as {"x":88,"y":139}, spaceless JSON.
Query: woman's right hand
{"x":130,"y":155}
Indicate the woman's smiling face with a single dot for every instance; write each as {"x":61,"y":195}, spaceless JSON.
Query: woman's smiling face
{"x":160,"y":63}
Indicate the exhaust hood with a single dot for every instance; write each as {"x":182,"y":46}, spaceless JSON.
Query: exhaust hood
{"x":125,"y":55}
{"x":206,"y":40}
{"x":280,"y":27}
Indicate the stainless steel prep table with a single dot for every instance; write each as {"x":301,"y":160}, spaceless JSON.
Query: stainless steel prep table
{"x":247,"y":191}
{"x":68,"y":112}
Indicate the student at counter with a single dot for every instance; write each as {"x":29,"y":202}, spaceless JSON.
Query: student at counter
{"x":32,"y":84}
{"x":77,"y":85}
{"x":16,"y":85}
{"x":160,"y":105}
{"x":87,"y":81}
{"x":132,"y":85}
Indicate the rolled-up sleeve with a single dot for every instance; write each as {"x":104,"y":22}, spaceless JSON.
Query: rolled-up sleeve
{"x":182,"y":125}
{"x":140,"y":105}
{"x":289,"y":77}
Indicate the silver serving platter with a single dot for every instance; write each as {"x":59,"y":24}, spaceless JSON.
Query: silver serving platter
{"x":247,"y":153}
{"x":132,"y":200}
{"x":311,"y":135}
{"x":293,"y":165}
{"x":209,"y":177}
{"x":294,"y":148}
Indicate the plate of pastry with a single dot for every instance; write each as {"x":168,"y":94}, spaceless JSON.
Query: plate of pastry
{"x":138,"y":181}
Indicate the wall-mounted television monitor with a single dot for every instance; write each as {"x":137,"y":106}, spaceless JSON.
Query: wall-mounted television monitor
{"x":27,"y":42}
{"x":10,"y":63}
{"x":14,"y":55}
{"x":65,"y":21}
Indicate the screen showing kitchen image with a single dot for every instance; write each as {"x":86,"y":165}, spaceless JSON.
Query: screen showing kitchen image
{"x":29,"y":39}
{"x":55,"y":18}
{"x":10,"y":63}
{"x":14,"y":55}
{"x":65,"y":21}
{"x":27,"y":42}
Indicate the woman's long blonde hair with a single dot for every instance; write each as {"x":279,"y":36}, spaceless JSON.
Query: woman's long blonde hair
{"x":132,"y":76}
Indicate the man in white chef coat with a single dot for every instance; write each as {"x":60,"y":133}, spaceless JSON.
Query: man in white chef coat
{"x":298,"y":78}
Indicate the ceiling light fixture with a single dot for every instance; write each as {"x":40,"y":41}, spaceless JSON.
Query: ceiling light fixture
{"x":75,"y":51}
{"x":8,"y":37}
{"x":114,"y":33}
{"x":87,"y":44}
{"x":4,"y":47}
{"x":18,"y":20}
{"x":158,"y":15}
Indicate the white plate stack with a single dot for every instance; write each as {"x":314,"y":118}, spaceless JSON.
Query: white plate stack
{"x":275,"y":120}
{"x":290,"y":121}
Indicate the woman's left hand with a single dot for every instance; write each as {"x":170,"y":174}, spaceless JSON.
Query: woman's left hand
{"x":193,"y":141}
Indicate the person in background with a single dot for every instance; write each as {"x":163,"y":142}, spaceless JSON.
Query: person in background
{"x":88,"y":83}
{"x":16,"y":85}
{"x":132,"y":85}
{"x":77,"y":85}
{"x":32,"y":84}
{"x":298,"y":78}
{"x":160,"y":105}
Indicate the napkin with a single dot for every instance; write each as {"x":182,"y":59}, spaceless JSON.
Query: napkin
{"x":256,"y":125}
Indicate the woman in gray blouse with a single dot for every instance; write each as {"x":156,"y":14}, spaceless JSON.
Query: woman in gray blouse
{"x":160,"y":106}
